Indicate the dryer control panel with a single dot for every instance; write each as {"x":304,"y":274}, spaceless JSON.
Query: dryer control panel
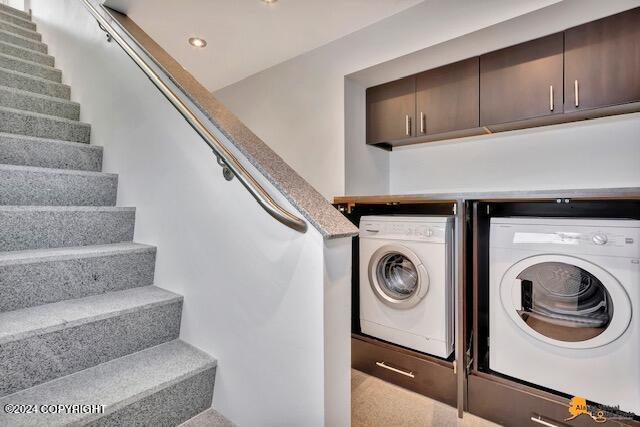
{"x":597,"y":237}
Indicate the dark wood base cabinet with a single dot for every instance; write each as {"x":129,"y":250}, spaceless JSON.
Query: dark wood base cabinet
{"x":495,"y":399}
{"x":430,"y":377}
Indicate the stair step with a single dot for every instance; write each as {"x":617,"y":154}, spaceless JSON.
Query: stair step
{"x":33,"y":186}
{"x":13,"y":11}
{"x":161,"y":386}
{"x":46,"y":342}
{"x":40,"y":227}
{"x":208,"y":418}
{"x":28,"y":54}
{"x":29,"y":67}
{"x":43,"y":126}
{"x":17,"y":20}
{"x":19,"y":99}
{"x":22,"y":150}
{"x":26,"y":42}
{"x":44,"y":276}
{"x":7,"y":26}
{"x":29,"y":83}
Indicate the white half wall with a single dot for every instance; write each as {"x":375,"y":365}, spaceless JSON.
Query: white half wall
{"x":271,"y":304}
{"x":597,"y":153}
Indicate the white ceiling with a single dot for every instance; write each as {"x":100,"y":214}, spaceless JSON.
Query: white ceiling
{"x":248,"y":36}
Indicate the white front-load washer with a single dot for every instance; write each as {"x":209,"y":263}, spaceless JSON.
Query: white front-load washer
{"x":564,"y":301}
{"x":406,"y":281}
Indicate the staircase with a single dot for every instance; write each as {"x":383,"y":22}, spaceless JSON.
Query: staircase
{"x":80,"y":320}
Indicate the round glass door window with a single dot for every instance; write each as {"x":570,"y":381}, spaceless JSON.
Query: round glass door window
{"x":564,"y":302}
{"x":397,"y":276}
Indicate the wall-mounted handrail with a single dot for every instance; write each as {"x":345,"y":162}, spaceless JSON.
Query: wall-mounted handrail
{"x":230,"y":163}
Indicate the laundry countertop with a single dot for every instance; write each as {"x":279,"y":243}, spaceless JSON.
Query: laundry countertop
{"x":628,"y":193}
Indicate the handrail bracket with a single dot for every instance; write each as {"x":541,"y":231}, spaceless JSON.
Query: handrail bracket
{"x":227,"y":173}
{"x":109,"y":38}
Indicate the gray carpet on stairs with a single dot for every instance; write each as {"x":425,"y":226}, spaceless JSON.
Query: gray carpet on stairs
{"x":81,"y":322}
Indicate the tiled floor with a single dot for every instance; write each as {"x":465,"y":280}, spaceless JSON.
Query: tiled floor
{"x":377,"y":403}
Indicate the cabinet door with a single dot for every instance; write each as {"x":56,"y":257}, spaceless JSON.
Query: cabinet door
{"x":522,"y":81}
{"x":391,"y":111}
{"x":602,"y":62}
{"x":447,"y":98}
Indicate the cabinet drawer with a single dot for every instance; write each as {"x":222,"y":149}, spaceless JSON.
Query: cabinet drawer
{"x":515,"y":406}
{"x":405,"y":368}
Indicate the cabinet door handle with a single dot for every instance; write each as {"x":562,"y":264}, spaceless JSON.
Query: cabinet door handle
{"x":577,"y":92}
{"x":539,"y":420}
{"x":407,"y":125}
{"x":551,"y":98}
{"x":422,"y":120}
{"x":396,"y":370}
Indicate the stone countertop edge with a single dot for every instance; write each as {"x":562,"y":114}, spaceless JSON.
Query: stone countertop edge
{"x":314,"y":207}
{"x":626,"y":193}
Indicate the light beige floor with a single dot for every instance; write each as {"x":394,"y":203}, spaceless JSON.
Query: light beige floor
{"x":377,"y":403}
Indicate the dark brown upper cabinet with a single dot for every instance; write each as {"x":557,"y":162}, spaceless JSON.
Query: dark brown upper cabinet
{"x":391,"y":111}
{"x":602,"y":62}
{"x":585,"y":72}
{"x":522,"y":81}
{"x":447,"y":98}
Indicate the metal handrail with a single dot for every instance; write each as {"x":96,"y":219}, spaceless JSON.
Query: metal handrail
{"x":230,"y":163}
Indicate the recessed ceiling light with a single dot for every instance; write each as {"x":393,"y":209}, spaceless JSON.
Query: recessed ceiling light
{"x":197,"y":42}
{"x":269,"y":1}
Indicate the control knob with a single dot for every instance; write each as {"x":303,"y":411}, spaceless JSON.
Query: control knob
{"x":599,"y":239}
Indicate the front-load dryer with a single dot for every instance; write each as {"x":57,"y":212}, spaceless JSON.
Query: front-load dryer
{"x":406,"y":271}
{"x":564,"y":301}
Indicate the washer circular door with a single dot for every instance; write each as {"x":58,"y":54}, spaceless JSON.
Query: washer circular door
{"x":565,"y":301}
{"x":397,"y":276}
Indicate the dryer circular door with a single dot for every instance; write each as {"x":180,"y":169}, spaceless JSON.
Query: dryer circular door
{"x":565,"y":301}
{"x":397,"y":276}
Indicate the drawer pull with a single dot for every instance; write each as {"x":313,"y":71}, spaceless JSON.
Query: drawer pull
{"x":538,"y":420}
{"x":398,"y":371}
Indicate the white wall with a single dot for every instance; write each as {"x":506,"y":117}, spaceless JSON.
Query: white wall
{"x":17,"y":4}
{"x":310,"y":109}
{"x":366,"y":167}
{"x":593,"y":154}
{"x":271,"y":304}
{"x":264,"y":37}
{"x":297,"y":107}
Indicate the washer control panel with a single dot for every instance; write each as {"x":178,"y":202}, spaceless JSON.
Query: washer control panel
{"x":403,"y":231}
